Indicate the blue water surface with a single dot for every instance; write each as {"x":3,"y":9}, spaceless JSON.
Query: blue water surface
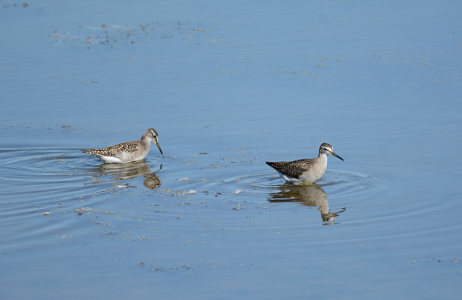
{"x":230,"y":85}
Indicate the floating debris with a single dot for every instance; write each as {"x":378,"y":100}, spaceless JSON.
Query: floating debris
{"x":238,"y":207}
{"x":237,"y":191}
{"x":47,"y":213}
{"x":82,"y":210}
{"x":183,"y":179}
{"x":110,"y":35}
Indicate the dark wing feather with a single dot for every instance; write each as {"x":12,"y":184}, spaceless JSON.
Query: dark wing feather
{"x":114,"y":150}
{"x":290,"y":168}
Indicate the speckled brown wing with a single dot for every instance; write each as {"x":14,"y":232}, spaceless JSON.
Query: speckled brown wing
{"x":114,"y":150}
{"x":290,"y":168}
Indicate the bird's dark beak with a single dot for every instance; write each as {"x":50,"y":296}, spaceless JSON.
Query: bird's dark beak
{"x":158,"y":146}
{"x":336,"y":155}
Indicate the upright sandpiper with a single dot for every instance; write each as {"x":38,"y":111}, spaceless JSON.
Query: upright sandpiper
{"x":305,"y":170}
{"x":130,"y":151}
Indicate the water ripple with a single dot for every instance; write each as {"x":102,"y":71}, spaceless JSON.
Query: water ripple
{"x":42,"y":189}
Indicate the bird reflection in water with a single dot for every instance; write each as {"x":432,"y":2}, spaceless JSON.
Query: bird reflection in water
{"x":128,"y":171}
{"x":309,"y":195}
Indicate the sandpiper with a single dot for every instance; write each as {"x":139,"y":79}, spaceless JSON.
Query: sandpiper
{"x":127,"y":152}
{"x":305,"y":170}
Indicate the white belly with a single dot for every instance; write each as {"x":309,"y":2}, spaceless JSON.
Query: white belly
{"x":305,"y":178}
{"x":111,"y":159}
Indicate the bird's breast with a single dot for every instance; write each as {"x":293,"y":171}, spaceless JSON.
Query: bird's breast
{"x":316,"y":170}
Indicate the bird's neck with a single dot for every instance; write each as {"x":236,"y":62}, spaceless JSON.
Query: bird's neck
{"x":146,"y":141}
{"x":323,"y":158}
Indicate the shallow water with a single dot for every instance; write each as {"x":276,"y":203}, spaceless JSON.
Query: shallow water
{"x":230,"y":86}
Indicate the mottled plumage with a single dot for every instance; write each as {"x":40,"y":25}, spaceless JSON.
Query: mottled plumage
{"x":292,"y":169}
{"x":305,"y":170}
{"x":127,"y":152}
